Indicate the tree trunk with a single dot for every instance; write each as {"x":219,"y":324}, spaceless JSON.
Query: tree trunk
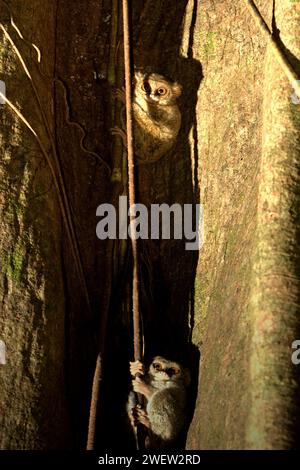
{"x":34,"y":412}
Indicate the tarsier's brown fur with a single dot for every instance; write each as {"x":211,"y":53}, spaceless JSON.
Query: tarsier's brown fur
{"x":164,"y":387}
{"x":157,"y":118}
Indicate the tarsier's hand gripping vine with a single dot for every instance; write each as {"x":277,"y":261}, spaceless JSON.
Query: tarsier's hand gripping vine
{"x":164,"y":386}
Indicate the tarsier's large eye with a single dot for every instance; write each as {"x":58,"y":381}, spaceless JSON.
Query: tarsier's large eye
{"x":162,"y":91}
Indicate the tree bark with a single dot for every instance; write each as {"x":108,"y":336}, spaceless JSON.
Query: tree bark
{"x":33,"y":387}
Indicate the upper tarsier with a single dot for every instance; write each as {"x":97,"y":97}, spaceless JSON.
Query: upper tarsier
{"x":157,"y":118}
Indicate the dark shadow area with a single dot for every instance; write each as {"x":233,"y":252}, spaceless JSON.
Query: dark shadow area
{"x":82,"y":68}
{"x":167,"y":269}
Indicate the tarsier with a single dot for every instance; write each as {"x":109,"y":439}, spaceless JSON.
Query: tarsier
{"x":164,"y":387}
{"x":157,"y":118}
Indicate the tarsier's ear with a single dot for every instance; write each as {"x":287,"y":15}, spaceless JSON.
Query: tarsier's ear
{"x":138,"y":75}
{"x":177,"y":89}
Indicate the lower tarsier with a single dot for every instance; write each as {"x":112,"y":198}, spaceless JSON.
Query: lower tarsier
{"x":164,"y":388}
